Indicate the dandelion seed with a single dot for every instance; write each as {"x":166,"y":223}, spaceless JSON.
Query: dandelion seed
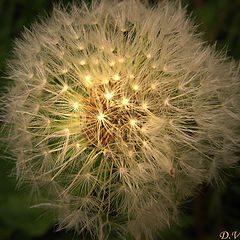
{"x":65,"y":88}
{"x":75,"y":106}
{"x":131,"y":76}
{"x":165,"y":68}
{"x":135,"y":87}
{"x":153,"y":86}
{"x":30,"y":76}
{"x":108,"y":95}
{"x":125,"y":101}
{"x":148,"y":56}
{"x":166,"y":102}
{"x":112,"y":63}
{"x":116,"y":77}
{"x":144,"y":106}
{"x":64,"y":70}
{"x":101,"y":117}
{"x":80,"y":47}
{"x":106,"y":81}
{"x":121,"y":60}
{"x":130,"y":153}
{"x":82,"y":62}
{"x":133,"y":122}
{"x":96,"y":62}
{"x":154,"y":66}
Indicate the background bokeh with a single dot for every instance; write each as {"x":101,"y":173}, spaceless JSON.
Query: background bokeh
{"x":214,"y":208}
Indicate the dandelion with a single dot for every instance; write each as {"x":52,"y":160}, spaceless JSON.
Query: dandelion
{"x":119,"y":112}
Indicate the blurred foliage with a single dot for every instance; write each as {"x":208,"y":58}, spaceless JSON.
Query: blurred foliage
{"x":213,"y":209}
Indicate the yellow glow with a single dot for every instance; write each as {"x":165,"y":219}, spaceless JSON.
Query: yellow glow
{"x":30,"y":75}
{"x":75,"y":106}
{"x":116,"y":77}
{"x":125,"y":101}
{"x":153,"y":86}
{"x":121,"y":60}
{"x":144,"y":105}
{"x":166,"y":102}
{"x":154,"y":66}
{"x":135,"y":87}
{"x":165,"y":68}
{"x":88,"y":78}
{"x":133,"y":122}
{"x":101,"y":117}
{"x":82,"y":62}
{"x":148,"y":55}
{"x":65,"y":70}
{"x":108,"y":95}
{"x":65,"y":88}
{"x":80,"y":47}
{"x":106,"y":81}
{"x":112,"y":63}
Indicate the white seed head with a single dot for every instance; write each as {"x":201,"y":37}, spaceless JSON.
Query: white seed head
{"x":116,"y":109}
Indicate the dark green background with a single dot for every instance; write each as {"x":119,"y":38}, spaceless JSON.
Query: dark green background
{"x":211,"y":211}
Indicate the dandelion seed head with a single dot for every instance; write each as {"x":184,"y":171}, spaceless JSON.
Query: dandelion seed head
{"x":116,"y":109}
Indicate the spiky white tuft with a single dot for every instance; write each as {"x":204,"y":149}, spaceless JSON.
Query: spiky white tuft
{"x":119,"y":111}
